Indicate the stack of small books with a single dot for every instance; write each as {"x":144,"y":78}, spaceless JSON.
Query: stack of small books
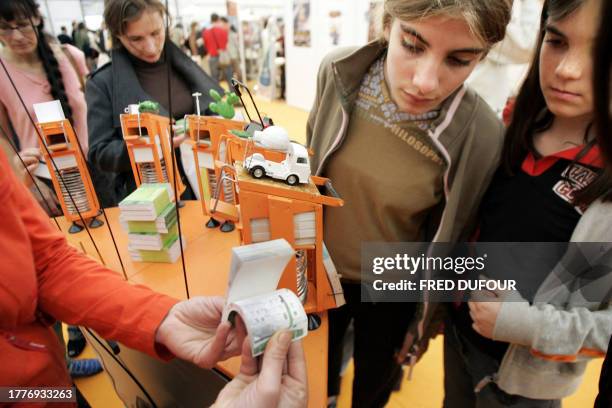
{"x":149,"y":217}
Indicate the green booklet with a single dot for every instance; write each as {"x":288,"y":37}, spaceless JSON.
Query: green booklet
{"x":162,"y":224}
{"x":153,"y":241}
{"x":169,"y":254}
{"x":146,"y":203}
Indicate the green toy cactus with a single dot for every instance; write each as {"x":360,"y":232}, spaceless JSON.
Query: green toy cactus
{"x":148,"y":107}
{"x":224,"y":108}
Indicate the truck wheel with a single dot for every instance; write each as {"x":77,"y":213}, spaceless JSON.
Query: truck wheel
{"x":292,"y":180}
{"x":258,"y":172}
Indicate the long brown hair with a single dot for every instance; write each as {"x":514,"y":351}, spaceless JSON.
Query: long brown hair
{"x":532,"y":114}
{"x":602,"y":186}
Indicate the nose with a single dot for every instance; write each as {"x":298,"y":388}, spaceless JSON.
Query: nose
{"x":570,"y":66}
{"x":150,"y":46}
{"x":426,"y":77}
{"x":16,"y":34}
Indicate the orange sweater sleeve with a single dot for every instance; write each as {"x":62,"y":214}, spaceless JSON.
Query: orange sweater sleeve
{"x":77,"y":290}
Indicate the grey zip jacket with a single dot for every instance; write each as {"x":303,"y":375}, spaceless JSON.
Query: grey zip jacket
{"x":569,"y":322}
{"x":468,"y":136}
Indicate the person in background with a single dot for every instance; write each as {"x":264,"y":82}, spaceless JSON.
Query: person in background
{"x":142,"y":63}
{"x":74,"y":26}
{"x":530,"y":348}
{"x":216,"y":41}
{"x":411,"y":150}
{"x":63,"y":36}
{"x":42,"y":71}
{"x":233,"y":47}
{"x":177,"y":36}
{"x":83,"y":42}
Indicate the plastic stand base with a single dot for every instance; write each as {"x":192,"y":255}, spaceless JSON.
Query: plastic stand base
{"x":212,"y":223}
{"x":96,"y":223}
{"x":75,"y":228}
{"x":227,"y":226}
{"x":314,"y":322}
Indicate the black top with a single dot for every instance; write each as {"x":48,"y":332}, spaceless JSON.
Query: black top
{"x":153,"y":77}
{"x":533,"y":205}
{"x":109,"y":90}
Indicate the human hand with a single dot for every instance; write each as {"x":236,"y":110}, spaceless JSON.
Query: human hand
{"x":281,"y":382}
{"x":178,"y":139}
{"x":193,"y":331}
{"x":484,"y":313}
{"x":31,"y":158}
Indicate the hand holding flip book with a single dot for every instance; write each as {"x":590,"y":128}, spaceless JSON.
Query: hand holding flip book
{"x":254,"y":275}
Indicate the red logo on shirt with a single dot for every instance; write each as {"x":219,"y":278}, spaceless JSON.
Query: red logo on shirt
{"x":575,"y":178}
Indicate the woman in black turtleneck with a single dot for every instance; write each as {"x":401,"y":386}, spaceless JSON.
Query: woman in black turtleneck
{"x":138,"y":72}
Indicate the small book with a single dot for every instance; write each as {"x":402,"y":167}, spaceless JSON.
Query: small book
{"x":146,"y":203}
{"x":255,"y":271}
{"x":162,"y":224}
{"x":169,"y":254}
{"x":153,"y":241}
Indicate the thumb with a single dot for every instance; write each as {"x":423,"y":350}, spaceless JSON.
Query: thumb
{"x":274,"y":358}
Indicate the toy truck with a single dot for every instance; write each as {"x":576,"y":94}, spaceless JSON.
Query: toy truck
{"x":293,"y":170}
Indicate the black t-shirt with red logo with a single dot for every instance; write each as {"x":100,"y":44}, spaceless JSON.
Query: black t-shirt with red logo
{"x":533,"y":205}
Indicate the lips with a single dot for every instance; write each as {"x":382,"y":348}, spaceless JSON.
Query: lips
{"x":564,"y":94}
{"x":416,"y":100}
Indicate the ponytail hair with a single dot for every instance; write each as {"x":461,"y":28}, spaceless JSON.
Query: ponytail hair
{"x":54,"y":75}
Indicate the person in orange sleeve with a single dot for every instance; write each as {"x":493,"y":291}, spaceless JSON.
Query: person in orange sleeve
{"x":38,"y":276}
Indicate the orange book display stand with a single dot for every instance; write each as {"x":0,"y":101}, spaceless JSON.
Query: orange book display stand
{"x":270,"y":209}
{"x":147,"y":137}
{"x":69,"y":174}
{"x":208,"y":137}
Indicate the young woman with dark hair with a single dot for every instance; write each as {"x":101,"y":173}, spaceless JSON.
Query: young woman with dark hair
{"x":42,"y":71}
{"x":143,"y":61}
{"x":603,"y":122}
{"x":553,"y":186}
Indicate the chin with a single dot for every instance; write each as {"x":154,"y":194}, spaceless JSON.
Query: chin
{"x":565,"y":111}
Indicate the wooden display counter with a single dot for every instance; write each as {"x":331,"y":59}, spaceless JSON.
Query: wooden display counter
{"x":207,"y":261}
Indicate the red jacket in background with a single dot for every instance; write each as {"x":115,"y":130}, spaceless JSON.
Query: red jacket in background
{"x":43,"y":278}
{"x":215,"y":39}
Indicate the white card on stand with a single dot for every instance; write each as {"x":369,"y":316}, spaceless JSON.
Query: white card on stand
{"x":49,"y":112}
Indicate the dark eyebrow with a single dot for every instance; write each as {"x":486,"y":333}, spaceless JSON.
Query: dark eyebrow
{"x":474,"y":51}
{"x":554,"y":30}
{"x":414,"y":33}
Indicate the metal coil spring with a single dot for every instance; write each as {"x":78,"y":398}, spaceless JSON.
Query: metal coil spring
{"x":148,"y":173}
{"x":71,"y":185}
{"x":302,"y":279}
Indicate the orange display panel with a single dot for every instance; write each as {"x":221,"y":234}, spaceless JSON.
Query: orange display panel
{"x":147,"y":137}
{"x":69,"y":173}
{"x":269,"y":210}
{"x":206,"y":135}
